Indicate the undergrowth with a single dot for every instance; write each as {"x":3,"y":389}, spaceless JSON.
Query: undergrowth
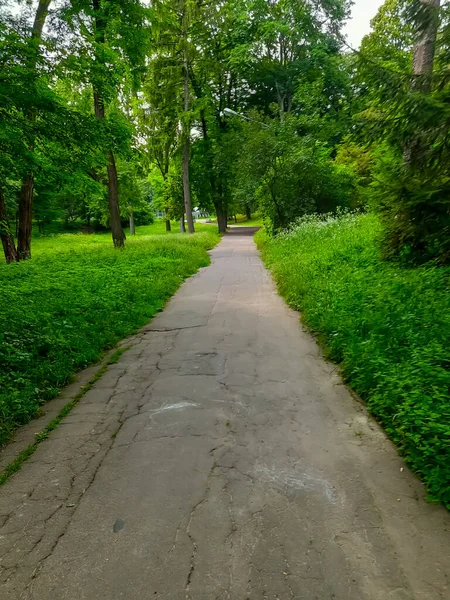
{"x":77,"y":297}
{"x":386,"y":325}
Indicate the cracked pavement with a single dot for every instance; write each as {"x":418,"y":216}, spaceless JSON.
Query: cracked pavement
{"x":221,"y":458}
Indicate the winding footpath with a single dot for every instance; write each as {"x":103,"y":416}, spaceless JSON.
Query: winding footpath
{"x":221,"y":459}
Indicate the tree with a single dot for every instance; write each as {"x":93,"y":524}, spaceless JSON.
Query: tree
{"x":175,"y":20}
{"x":9,"y":247}
{"x":25,"y":218}
{"x":112,"y":46}
{"x":427,"y":19}
{"x":159,"y":107}
{"x":407,"y":121}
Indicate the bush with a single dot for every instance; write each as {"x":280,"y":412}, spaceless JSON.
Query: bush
{"x":289,"y":175}
{"x":388,"y":327}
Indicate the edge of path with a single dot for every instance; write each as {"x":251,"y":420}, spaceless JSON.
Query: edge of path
{"x":27,"y":438}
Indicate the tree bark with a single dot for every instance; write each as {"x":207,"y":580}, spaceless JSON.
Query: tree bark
{"x":117,"y":232}
{"x":423,"y":61}
{"x":221,"y":218}
{"x":9,"y":248}
{"x":248,"y":212}
{"x":182,"y":225}
{"x":186,"y":152}
{"x":25,"y":218}
{"x":39,"y":18}
{"x":425,"y":46}
{"x":132,"y":229}
{"x":216,"y":191}
{"x":26,"y":191}
{"x":168,"y":227}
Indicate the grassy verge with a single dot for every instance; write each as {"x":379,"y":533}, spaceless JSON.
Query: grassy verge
{"x":255,"y":221}
{"x":77,"y":297}
{"x":23,"y":456}
{"x":387,"y":326}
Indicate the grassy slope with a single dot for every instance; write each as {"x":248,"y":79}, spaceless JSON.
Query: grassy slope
{"x":388,"y":327}
{"x":77,"y":297}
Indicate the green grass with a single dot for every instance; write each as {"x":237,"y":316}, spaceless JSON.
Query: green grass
{"x":77,"y":297}
{"x":255,"y":221}
{"x":387,"y":326}
{"x":25,"y":454}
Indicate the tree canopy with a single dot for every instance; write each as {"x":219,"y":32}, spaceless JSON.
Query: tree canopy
{"x":110,"y":109}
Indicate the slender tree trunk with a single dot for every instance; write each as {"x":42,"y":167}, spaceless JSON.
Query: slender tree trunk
{"x":117,"y":232}
{"x":425,"y":46}
{"x":132,"y":230}
{"x":25,"y":218}
{"x":186,"y":152}
{"x":248,"y":212}
{"x":216,"y":190}
{"x":39,"y":18}
{"x":166,"y":195}
{"x":26,"y":191}
{"x":221,"y":218}
{"x":6,"y":236}
{"x":235,"y":218}
{"x":423,"y":61}
{"x":182,"y":225}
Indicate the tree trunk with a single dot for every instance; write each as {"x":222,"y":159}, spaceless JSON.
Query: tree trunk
{"x":248,"y":212}
{"x":132,"y":230}
{"x":117,"y":232}
{"x":186,"y":187}
{"x":423,"y":60}
{"x":27,"y":188}
{"x":221,"y":219}
{"x":425,"y":46}
{"x":168,"y":227}
{"x":182,"y":225}
{"x":6,"y":236}
{"x":25,"y":218}
{"x":118,"y":235}
{"x":186,"y":152}
{"x":39,"y":18}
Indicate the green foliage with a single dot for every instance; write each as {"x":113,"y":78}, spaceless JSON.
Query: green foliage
{"x":406,"y":118}
{"x":388,"y":327}
{"x":76,"y":298}
{"x":290,"y":175}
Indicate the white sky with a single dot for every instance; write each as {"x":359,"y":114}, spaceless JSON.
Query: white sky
{"x":358,"y":25}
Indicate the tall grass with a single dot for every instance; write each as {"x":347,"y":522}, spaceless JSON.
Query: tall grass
{"x":77,"y":297}
{"x":387,"y":326}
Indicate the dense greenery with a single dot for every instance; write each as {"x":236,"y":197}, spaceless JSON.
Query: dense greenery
{"x":109,"y":108}
{"x":55,"y":319}
{"x":388,"y":327}
{"x":112,"y":109}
